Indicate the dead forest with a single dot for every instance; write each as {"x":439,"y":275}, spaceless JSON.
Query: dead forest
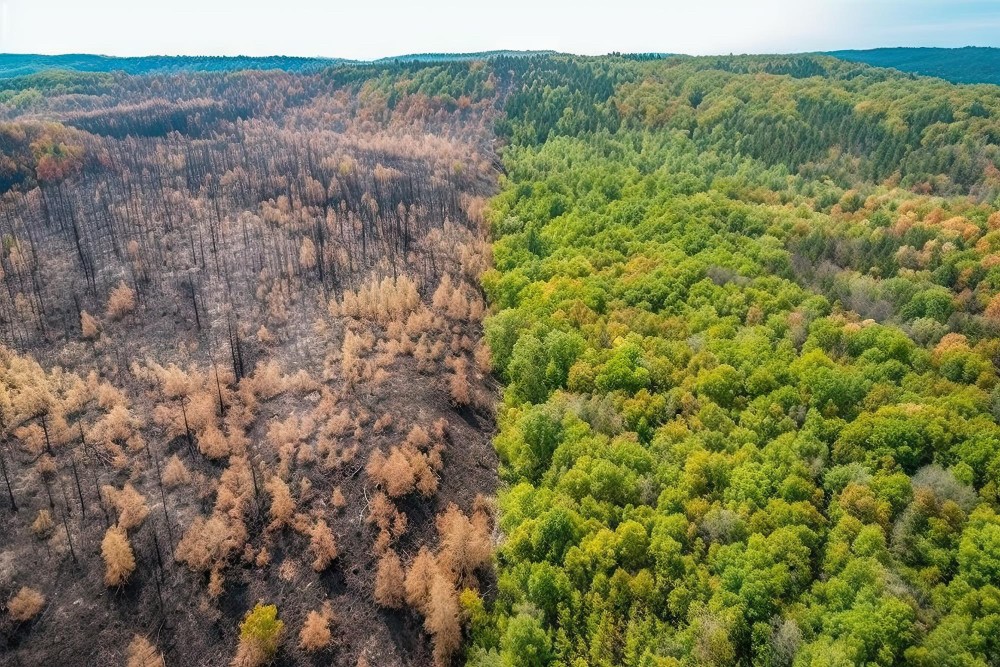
{"x":245,"y":409}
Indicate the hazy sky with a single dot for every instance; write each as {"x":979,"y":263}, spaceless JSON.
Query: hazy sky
{"x":373,"y":28}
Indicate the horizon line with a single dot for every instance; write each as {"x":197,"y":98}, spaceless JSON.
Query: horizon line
{"x":483,"y":52}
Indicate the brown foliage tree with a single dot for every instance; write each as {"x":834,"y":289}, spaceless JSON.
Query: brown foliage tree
{"x":323,"y":546}
{"x":465,"y":546}
{"x":315,"y":634}
{"x":282,"y":503}
{"x":442,"y":620}
{"x":390,"y":580}
{"x":419,"y":579}
{"x":121,"y":302}
{"x":88,"y":325}
{"x":131,"y":505}
{"x":119,"y":561}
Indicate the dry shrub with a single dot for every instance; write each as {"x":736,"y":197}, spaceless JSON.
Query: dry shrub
{"x":142,"y":653}
{"x":88,"y":325}
{"x":389,"y":520}
{"x":213,"y":444}
{"x":385,"y":301}
{"x":288,"y":570}
{"x":323,"y":545}
{"x":465,"y":545}
{"x":484,"y":361}
{"x":382,"y":423}
{"x":267,"y":380}
{"x":315,"y":634}
{"x":419,"y":580}
{"x":353,"y":351}
{"x":418,"y":437}
{"x":175,"y":473}
{"x":208,"y":543}
{"x":236,"y":487}
{"x":458,"y":305}
{"x":264,"y":336}
{"x":393,"y":473}
{"x":43,"y":524}
{"x":338,"y":500}
{"x":406,"y":468}
{"x":249,"y":654}
{"x":442,"y":295}
{"x":131,"y":505}
{"x":307,"y":254}
{"x":419,"y":322}
{"x":390,"y":581}
{"x":215,"y":583}
{"x":458,"y":381}
{"x":121,"y":302}
{"x":119,"y":561}
{"x":26,"y":605}
{"x":301,"y":382}
{"x":282,"y":504}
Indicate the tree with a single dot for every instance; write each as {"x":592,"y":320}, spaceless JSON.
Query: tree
{"x":260,"y":635}
{"x":323,"y":545}
{"x":441,"y":619}
{"x":131,"y":505}
{"x":315,"y":634}
{"x":525,"y":643}
{"x":121,"y":302}
{"x":390,"y":581}
{"x":88,"y":325}
{"x":119,"y":561}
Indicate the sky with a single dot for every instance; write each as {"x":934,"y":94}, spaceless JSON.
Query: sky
{"x":365,"y":29}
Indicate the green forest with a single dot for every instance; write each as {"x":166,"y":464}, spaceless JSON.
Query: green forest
{"x":746,"y":313}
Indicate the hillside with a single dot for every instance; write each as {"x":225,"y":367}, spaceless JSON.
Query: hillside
{"x":971,"y":64}
{"x":745,"y":310}
{"x":12,"y":65}
{"x":527,"y":361}
{"x":257,"y":311}
{"x":20,"y":65}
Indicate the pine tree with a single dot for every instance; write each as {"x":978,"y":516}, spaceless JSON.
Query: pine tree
{"x":119,"y":561}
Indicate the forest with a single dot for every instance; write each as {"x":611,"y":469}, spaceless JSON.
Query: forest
{"x":528,"y":360}
{"x":970,"y":64}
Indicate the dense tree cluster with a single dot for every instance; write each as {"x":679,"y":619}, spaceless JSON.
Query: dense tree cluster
{"x":750,"y":358}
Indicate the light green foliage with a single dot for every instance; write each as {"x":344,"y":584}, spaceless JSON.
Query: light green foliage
{"x":262,"y":627}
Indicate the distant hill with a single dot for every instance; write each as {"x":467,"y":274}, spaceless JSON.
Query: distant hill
{"x":478,"y":55}
{"x":15,"y":65}
{"x":12,"y":65}
{"x":965,"y":65}
{"x":971,"y":64}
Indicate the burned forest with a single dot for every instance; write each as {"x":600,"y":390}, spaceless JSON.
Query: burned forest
{"x":242,"y":368}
